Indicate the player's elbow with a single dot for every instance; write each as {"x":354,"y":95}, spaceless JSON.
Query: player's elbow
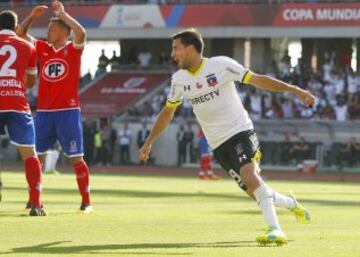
{"x":19,"y":31}
{"x":259,"y":80}
{"x":81,"y":34}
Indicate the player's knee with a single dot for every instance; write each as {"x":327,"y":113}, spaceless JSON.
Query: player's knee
{"x":248,"y":174}
{"x":236,"y":176}
{"x":76,"y":160}
{"x":42,"y":158}
{"x":26,"y":152}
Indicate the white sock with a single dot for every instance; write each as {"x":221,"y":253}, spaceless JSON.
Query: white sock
{"x":47,"y":164}
{"x":264,"y":198}
{"x":54,"y":158}
{"x":283,"y":201}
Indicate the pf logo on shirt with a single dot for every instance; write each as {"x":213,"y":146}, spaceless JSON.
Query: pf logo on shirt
{"x":55,"y":70}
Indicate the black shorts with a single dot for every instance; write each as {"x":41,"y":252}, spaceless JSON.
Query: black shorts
{"x":237,"y":151}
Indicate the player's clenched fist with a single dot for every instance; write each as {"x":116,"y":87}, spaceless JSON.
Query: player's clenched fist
{"x":38,"y":11}
{"x":306,"y":97}
{"x":144,"y":152}
{"x":58,"y":7}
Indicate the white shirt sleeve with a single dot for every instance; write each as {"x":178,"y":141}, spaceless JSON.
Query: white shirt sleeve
{"x":233,"y":71}
{"x":32,"y":71}
{"x":175,"y":95}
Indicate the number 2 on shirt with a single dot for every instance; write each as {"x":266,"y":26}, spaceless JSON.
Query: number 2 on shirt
{"x":5,"y":70}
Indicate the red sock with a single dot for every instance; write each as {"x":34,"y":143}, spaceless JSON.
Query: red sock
{"x":210,"y":165}
{"x":206,"y":163}
{"x":203,"y":163}
{"x":82,"y":178}
{"x":34,"y":179}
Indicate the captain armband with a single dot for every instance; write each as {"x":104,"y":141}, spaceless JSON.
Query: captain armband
{"x":247,"y":77}
{"x":171,"y":104}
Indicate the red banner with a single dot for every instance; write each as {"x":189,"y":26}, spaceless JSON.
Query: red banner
{"x":208,"y":15}
{"x":275,"y":15}
{"x":318,"y":15}
{"x":116,"y":91}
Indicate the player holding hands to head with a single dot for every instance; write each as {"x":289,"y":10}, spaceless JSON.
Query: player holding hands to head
{"x":17,"y":72}
{"x":208,"y":83}
{"x":58,"y":116}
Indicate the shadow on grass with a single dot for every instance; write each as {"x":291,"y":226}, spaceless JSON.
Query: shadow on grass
{"x":54,"y":248}
{"x":138,"y":193}
{"x":157,"y":194}
{"x":13,"y":214}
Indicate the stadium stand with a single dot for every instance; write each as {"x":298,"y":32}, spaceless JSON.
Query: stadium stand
{"x":110,"y":2}
{"x":115,"y":92}
{"x":280,"y":121}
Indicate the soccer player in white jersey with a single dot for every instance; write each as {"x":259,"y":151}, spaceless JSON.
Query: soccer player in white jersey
{"x":208,"y":83}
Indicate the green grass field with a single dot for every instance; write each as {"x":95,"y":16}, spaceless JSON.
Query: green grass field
{"x":174,"y":216}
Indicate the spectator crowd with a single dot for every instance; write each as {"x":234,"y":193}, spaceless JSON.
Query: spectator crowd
{"x":337,"y":91}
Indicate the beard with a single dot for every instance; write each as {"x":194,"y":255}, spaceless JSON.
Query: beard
{"x":184,"y":65}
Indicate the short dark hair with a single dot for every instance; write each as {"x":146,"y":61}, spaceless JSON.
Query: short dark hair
{"x":191,"y":37}
{"x":61,"y":23}
{"x":8,"y":20}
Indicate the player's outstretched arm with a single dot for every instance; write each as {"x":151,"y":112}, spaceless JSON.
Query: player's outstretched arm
{"x":161,"y":123}
{"x":24,"y":27}
{"x":271,"y":84}
{"x":79,"y":31}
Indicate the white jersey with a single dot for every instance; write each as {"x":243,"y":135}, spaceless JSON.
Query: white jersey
{"x":215,"y":101}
